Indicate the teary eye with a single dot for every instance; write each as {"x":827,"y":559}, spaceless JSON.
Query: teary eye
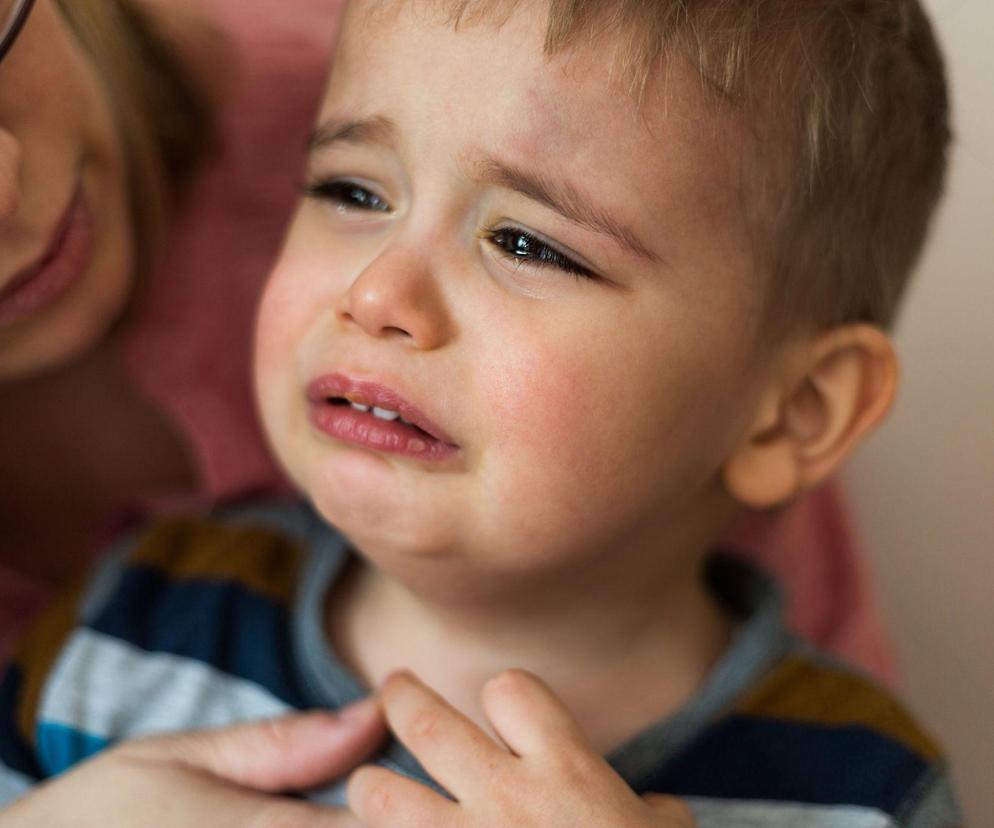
{"x":347,"y":195}
{"x":520,"y":246}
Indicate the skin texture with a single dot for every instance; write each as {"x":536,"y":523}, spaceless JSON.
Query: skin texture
{"x":177,"y":780}
{"x":593,"y":415}
{"x":609,"y":398}
{"x":227,"y":776}
{"x":57,"y":133}
{"x":589,"y":412}
{"x":223,"y":778}
{"x":548,"y":776}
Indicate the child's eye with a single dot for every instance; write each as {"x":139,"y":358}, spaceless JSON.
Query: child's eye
{"x":348,"y":195}
{"x":520,"y":246}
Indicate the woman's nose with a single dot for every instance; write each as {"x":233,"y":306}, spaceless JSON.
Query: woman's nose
{"x":10,"y":174}
{"x":397,"y":296}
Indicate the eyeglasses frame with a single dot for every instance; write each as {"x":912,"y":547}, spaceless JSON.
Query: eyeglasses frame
{"x":7,"y":39}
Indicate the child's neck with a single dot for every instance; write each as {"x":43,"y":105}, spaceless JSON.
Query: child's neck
{"x":619,"y":658}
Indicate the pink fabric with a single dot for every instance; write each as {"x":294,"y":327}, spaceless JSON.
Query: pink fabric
{"x":190,"y":343}
{"x":813,"y":549}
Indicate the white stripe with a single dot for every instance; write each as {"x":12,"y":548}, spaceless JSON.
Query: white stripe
{"x":12,"y":785}
{"x":111,"y":689}
{"x":733,"y":813}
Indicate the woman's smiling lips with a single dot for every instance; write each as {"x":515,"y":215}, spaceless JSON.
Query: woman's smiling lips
{"x":43,"y":283}
{"x":375,"y":417}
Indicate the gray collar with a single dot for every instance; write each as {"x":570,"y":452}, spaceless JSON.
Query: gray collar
{"x":748,"y":594}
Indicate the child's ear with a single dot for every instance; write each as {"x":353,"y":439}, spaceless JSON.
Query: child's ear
{"x":842,"y":386}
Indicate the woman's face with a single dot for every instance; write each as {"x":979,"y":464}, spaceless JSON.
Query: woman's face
{"x":65,"y":223}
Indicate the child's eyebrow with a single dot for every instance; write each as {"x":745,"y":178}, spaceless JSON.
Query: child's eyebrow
{"x":375,"y":130}
{"x":562,"y":197}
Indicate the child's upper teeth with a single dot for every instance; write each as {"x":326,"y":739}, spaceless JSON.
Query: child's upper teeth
{"x":385,"y":413}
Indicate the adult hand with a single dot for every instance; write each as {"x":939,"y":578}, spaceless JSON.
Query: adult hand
{"x":550,"y":777}
{"x":224,"y":778}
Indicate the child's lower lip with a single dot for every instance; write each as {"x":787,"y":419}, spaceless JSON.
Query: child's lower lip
{"x":342,"y":422}
{"x":60,"y":267}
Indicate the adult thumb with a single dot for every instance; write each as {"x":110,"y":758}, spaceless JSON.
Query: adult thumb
{"x":284,"y":754}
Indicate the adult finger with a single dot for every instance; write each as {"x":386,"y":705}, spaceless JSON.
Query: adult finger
{"x":289,"y":753}
{"x":454,"y":751}
{"x":383,"y":799}
{"x":528,"y":716}
{"x":282,"y":813}
{"x":115,"y":790}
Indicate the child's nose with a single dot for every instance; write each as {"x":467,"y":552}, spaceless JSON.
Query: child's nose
{"x":397,"y":296}
{"x":10,"y":174}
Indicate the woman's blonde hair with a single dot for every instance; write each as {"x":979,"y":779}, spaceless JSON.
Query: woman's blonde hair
{"x":164,"y":116}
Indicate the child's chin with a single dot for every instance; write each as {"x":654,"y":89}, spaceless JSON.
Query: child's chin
{"x":389,"y":535}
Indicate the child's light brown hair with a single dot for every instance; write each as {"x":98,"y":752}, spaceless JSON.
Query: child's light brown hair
{"x":846,"y":105}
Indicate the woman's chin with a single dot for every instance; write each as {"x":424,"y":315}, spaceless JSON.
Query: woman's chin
{"x":45,"y":351}
{"x":58,"y":339}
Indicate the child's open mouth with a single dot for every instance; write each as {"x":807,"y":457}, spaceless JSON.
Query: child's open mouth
{"x":372,"y":416}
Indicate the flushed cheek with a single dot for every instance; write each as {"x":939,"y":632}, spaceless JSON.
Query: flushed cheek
{"x":296,"y":299}
{"x":555,"y":450}
{"x":600,"y":439}
{"x":274,"y":327}
{"x":281,"y":318}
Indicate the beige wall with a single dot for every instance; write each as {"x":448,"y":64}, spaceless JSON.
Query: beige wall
{"x":924,"y":487}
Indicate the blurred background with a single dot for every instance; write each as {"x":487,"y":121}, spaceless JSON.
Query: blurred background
{"x":923,"y":488}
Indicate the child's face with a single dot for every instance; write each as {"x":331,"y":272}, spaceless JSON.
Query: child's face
{"x":560,"y":283}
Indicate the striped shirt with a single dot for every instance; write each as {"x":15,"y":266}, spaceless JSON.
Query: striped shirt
{"x":205,"y":622}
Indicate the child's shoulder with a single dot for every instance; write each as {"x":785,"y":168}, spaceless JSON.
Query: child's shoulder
{"x":186,"y":623}
{"x":257,"y":546}
{"x":815,"y":742}
{"x":172,"y":572}
{"x":783,"y":735}
{"x":168,"y":584}
{"x":809,"y":690}
{"x":816,"y":712}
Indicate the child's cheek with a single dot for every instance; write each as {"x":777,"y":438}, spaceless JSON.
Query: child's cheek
{"x":300,"y":292}
{"x":274,"y":325}
{"x":554,"y":435}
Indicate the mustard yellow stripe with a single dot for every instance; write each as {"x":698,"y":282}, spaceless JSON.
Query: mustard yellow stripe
{"x":256,"y":558}
{"x":803,"y":690}
{"x":38,"y":651}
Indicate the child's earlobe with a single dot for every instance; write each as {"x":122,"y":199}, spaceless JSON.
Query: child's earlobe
{"x":804,"y":431}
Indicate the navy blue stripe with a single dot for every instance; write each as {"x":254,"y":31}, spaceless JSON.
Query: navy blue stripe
{"x":15,"y":753}
{"x":220,"y":623}
{"x":747,"y":758}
